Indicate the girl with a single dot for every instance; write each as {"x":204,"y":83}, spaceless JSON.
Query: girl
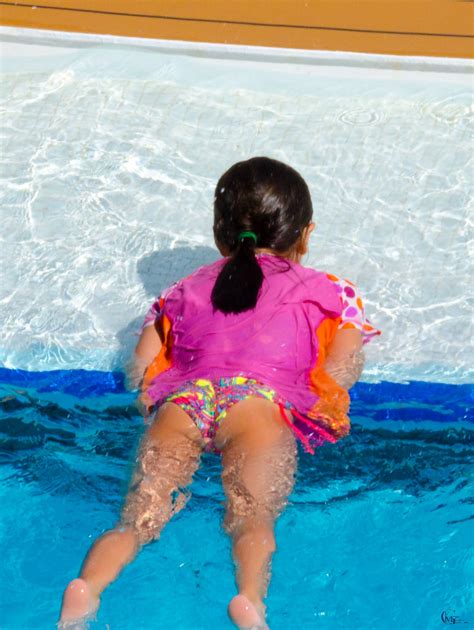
{"x":244,"y":357}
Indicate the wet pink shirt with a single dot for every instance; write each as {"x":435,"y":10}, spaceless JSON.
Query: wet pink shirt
{"x":352,"y":316}
{"x":275,"y":343}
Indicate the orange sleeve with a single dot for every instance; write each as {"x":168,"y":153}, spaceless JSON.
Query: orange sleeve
{"x":333,"y":399}
{"x":163,"y":360}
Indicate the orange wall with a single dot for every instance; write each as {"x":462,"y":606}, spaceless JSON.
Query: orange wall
{"x":397,"y":27}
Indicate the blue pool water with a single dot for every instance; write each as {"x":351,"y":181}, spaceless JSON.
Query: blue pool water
{"x":376,"y":535}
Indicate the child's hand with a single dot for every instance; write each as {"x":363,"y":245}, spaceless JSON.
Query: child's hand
{"x":333,"y":415}
{"x":134,"y":371}
{"x":143,"y":403}
{"x":147,"y":350}
{"x":333,"y":404}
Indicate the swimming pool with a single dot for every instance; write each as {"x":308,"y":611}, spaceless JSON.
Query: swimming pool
{"x":111,"y":153}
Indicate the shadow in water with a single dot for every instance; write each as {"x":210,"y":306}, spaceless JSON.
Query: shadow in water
{"x":158,"y":271}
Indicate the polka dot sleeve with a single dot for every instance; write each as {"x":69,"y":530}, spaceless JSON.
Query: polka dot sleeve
{"x":353,"y":312}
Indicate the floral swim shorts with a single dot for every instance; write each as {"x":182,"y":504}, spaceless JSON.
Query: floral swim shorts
{"x":208,"y":401}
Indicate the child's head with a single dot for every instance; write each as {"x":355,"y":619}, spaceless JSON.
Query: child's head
{"x":263,"y":196}
{"x":270,"y":200}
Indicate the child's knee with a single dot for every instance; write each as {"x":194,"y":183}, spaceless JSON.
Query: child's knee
{"x":149,"y":506}
{"x":146,"y":515}
{"x":260,"y":531}
{"x":144,"y":531}
{"x":247,"y":510}
{"x":155,"y":494}
{"x":165,"y":465}
{"x":257,"y":486}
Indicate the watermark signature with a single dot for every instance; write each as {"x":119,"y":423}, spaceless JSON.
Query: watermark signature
{"x":449,"y":616}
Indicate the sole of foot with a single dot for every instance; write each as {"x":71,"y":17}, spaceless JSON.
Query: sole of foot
{"x":78,"y":607}
{"x":245,"y":614}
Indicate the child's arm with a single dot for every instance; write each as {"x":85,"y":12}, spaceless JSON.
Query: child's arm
{"x":148,"y":347}
{"x":345,"y":357}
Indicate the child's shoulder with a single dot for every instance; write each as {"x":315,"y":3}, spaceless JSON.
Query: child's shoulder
{"x":194,"y":283}
{"x":316,"y":275}
{"x":202,"y":273}
{"x":337,"y":281}
{"x":173,"y":293}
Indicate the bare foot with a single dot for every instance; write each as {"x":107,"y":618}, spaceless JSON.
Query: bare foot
{"x":247,"y":615}
{"x":78,"y":605}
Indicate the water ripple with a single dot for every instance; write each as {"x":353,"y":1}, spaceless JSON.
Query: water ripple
{"x":360,"y":117}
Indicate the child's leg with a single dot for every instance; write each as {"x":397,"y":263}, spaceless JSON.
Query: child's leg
{"x":168,"y":457}
{"x":259,"y":464}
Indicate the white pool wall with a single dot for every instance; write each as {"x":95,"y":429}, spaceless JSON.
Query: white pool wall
{"x":112,"y":147}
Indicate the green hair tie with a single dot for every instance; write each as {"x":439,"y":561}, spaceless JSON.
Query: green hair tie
{"x":243,"y":235}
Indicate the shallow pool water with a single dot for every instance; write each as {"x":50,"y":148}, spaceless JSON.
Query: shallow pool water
{"x":376,"y":534}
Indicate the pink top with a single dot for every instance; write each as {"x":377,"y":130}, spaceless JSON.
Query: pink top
{"x":276,"y":343}
{"x":352,"y":316}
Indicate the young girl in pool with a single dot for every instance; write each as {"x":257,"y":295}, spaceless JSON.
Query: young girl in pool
{"x":244,"y":357}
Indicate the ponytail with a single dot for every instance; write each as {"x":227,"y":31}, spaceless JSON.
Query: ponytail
{"x":239,"y":282}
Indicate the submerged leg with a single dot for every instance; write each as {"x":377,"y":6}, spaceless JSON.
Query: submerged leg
{"x":168,"y":457}
{"x":259,"y":464}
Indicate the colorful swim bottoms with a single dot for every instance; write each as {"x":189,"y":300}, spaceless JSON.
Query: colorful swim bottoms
{"x":208,"y":401}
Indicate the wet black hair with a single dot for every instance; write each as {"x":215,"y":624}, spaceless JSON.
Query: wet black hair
{"x":271,"y":200}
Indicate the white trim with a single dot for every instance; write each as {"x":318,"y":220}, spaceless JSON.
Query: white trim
{"x":242,"y":52}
